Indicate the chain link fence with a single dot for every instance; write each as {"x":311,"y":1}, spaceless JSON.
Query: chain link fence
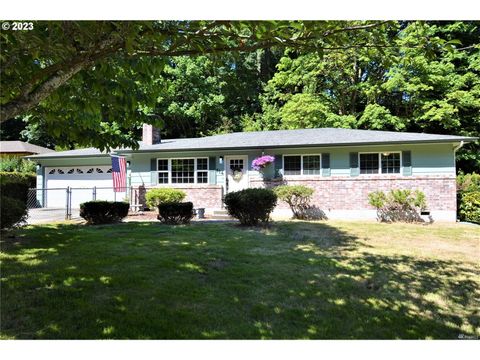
{"x":58,"y":204}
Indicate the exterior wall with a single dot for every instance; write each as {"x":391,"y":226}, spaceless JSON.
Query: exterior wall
{"x":342,"y":197}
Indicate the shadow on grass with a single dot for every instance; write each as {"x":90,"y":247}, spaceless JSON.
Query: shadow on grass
{"x":290,"y":280}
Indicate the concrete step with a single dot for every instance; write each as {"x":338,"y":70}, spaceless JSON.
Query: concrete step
{"x":220,"y":213}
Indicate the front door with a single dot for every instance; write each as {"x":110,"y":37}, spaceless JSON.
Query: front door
{"x":237,"y":173}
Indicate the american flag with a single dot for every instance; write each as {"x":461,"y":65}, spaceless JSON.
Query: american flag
{"x":119,"y":172}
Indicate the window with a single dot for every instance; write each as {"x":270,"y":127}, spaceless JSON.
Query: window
{"x":311,"y":165}
{"x":292,"y":165}
{"x":369,"y":163}
{"x":202,"y":170}
{"x":380,"y":163}
{"x":390,"y":163}
{"x":182,"y":171}
{"x":301,"y":164}
{"x":162,"y":167}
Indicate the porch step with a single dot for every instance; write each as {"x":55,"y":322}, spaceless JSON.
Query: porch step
{"x":220,"y":215}
{"x":220,"y":212}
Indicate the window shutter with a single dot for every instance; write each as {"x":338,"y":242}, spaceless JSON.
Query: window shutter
{"x":407,"y":163}
{"x":153,"y":172}
{"x":326,"y":164}
{"x":354,"y":167}
{"x":212,"y":170}
{"x":278,"y":165}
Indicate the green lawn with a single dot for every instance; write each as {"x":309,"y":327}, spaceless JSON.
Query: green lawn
{"x":323,"y":280}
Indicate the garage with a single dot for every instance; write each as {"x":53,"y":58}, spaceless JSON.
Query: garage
{"x":86,"y":183}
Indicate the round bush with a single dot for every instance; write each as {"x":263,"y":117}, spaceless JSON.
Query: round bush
{"x":103,"y":212}
{"x":12,"y":212}
{"x":251,"y":206}
{"x":155,"y":197}
{"x":175,"y":213}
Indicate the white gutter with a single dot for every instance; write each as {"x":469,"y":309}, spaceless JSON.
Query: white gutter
{"x":458,"y":147}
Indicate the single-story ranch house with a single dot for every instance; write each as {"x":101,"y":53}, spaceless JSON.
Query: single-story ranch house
{"x":342,"y":165}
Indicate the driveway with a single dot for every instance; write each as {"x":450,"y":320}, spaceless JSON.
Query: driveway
{"x":48,"y":215}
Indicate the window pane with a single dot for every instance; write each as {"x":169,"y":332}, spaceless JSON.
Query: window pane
{"x":202,"y":164}
{"x":162,"y":165}
{"x":202,"y":177}
{"x":369,"y":163}
{"x":183,"y":171}
{"x":391,"y":163}
{"x":163,"y":177}
{"x":292,"y":165}
{"x":311,"y":164}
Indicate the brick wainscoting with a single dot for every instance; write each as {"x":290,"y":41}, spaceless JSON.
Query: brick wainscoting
{"x":347,"y":197}
{"x":204,"y":196}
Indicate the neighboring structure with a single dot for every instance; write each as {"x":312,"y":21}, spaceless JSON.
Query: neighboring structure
{"x":342,"y":165}
{"x":20,"y":148}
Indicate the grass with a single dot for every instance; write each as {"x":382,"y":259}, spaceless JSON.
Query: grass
{"x":295,"y":280}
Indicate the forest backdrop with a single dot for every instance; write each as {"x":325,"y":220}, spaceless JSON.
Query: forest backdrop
{"x":401,"y":76}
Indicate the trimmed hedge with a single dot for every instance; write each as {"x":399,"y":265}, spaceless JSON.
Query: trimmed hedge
{"x":16,"y":184}
{"x":175,"y":213}
{"x":251,"y":206}
{"x":12,"y":212}
{"x":470,"y":206}
{"x":155,"y":197}
{"x":103,"y":212}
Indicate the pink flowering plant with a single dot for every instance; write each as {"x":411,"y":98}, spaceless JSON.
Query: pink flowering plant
{"x":261,"y":162}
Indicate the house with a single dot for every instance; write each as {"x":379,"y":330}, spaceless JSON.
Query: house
{"x":20,"y":148}
{"x":342,"y":165}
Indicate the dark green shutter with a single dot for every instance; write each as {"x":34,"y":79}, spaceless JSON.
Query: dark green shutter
{"x":326,"y":164}
{"x":278,"y":165}
{"x":354,"y":168}
{"x":153,"y":172}
{"x":212,"y":170}
{"x":407,"y":163}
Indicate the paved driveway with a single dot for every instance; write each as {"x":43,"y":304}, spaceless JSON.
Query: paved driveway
{"x":48,"y":215}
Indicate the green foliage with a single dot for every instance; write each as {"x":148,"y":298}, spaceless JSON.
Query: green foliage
{"x":17,"y":164}
{"x":398,"y":205}
{"x":470,"y":206}
{"x":12,"y":212}
{"x":468,"y":182}
{"x":251,"y":206}
{"x":175,"y":213}
{"x":298,"y":197}
{"x":16,"y":185}
{"x":103,"y":212}
{"x":155,"y":197}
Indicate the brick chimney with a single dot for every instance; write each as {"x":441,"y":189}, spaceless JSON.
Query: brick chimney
{"x":151,"y":135}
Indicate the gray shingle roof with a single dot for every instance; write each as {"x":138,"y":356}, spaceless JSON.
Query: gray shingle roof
{"x":280,"y":139}
{"x":22,"y":147}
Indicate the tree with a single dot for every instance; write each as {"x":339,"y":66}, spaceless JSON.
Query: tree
{"x":426,"y":79}
{"x":97,"y":79}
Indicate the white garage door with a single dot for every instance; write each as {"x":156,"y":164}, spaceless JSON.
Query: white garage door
{"x":82,"y":180}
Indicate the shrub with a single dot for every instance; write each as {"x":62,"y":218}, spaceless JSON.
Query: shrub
{"x":297,"y":197}
{"x":155,"y":197}
{"x":468,"y":182}
{"x":12,"y":212}
{"x":175,"y":213}
{"x":398,"y":205}
{"x":17,"y":164}
{"x":103,"y":212}
{"x":16,"y":184}
{"x":251,"y":206}
{"x":470,"y":206}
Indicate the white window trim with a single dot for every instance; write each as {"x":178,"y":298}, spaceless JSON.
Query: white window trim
{"x":182,"y":158}
{"x":301,"y":164}
{"x":380,"y":163}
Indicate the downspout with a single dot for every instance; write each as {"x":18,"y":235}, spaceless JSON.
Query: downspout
{"x":458,"y":147}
